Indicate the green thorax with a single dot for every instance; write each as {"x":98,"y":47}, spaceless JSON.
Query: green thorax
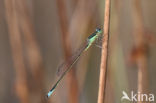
{"x":91,"y":39}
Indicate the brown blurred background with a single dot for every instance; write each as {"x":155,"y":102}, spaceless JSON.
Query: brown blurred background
{"x":37,"y":35}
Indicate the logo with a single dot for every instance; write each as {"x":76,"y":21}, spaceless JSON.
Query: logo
{"x":134,"y":97}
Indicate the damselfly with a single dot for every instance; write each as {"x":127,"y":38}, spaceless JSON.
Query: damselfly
{"x":66,"y":66}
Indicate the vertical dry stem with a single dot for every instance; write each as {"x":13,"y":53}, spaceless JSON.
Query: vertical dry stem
{"x":103,"y":67}
{"x":73,"y":90}
{"x":34,"y":57}
{"x":32,"y":49}
{"x":140,"y":44}
{"x":19,"y":22}
{"x":17,"y":52}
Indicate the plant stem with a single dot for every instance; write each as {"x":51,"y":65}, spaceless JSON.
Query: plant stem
{"x":73,"y":90}
{"x":141,"y":47}
{"x":103,"y":67}
{"x":17,"y":52}
{"x":33,"y":55}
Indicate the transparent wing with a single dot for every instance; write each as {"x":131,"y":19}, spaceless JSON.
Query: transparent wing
{"x":99,"y":40}
{"x":67,"y":64}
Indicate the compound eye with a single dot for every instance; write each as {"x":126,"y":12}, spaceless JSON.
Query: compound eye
{"x":98,"y":29}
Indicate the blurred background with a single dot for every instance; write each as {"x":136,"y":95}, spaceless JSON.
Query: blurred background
{"x":37,"y":35}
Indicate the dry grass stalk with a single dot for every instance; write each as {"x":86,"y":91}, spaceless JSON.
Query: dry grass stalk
{"x":23,"y":25}
{"x":32,"y":49}
{"x":103,"y":67}
{"x":141,"y":49}
{"x":17,"y":52}
{"x":73,"y":90}
{"x":27,"y":29}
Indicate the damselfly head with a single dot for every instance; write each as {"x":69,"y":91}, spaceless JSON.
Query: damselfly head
{"x":98,"y":30}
